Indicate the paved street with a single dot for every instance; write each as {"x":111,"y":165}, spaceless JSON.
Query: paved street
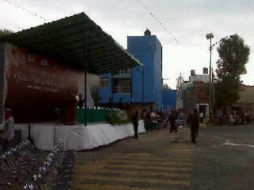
{"x":161,"y":160}
{"x":220,"y":166}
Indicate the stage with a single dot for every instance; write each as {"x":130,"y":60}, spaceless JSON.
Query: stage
{"x":77,"y":137}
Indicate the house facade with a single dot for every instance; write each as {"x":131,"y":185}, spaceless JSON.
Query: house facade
{"x":194,"y":93}
{"x":246,"y":100}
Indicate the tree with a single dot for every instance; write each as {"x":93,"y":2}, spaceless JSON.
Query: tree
{"x":234,"y":54}
{"x":5,"y":32}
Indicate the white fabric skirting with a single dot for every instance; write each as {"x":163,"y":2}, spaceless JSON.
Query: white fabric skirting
{"x":77,"y":137}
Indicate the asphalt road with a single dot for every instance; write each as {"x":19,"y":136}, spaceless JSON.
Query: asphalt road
{"x":222,"y":159}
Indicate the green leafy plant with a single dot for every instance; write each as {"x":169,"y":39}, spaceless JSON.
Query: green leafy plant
{"x":117,"y":117}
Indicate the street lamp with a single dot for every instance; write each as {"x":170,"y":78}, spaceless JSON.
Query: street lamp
{"x":209,"y":36}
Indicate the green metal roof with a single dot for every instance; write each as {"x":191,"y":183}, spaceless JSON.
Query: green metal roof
{"x":75,"y":40}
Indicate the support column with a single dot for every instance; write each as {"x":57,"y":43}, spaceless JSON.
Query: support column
{"x":85,"y":78}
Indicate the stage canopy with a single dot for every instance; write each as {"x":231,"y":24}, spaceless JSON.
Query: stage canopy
{"x":76,"y":41}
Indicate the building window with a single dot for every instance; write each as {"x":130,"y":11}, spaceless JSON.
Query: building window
{"x":104,"y":82}
{"x":122,"y":85}
{"x":123,"y":72}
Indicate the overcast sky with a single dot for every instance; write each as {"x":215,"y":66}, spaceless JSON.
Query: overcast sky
{"x":187,"y":20}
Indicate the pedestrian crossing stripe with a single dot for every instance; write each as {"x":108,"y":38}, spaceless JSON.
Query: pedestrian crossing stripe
{"x":166,"y":158}
{"x":169,"y":168}
{"x":153,"y":168}
{"x":154,"y":163}
{"x":171,"y":162}
{"x":163,"y":174}
{"x":113,"y":187}
{"x":143,"y":155}
{"x":133,"y":179}
{"x":175,"y":157}
{"x":117,"y":171}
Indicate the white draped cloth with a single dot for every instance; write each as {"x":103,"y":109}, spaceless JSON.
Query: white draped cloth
{"x":78,"y":137}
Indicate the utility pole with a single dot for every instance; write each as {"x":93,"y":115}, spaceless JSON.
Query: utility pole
{"x":209,"y":37}
{"x":179,"y":97}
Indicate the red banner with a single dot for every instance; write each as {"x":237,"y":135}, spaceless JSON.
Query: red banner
{"x":35,"y":86}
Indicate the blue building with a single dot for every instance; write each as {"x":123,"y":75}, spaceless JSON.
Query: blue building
{"x":140,"y":85}
{"x":168,"y":99}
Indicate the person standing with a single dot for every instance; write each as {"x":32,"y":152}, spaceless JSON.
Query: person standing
{"x":194,"y":124}
{"x":201,"y":116}
{"x":135,"y":119}
{"x":80,"y":101}
{"x":172,"y":121}
{"x":8,"y":129}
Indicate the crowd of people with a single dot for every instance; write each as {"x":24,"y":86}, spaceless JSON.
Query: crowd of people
{"x":233,"y":117}
{"x":157,"y":119}
{"x":173,"y":120}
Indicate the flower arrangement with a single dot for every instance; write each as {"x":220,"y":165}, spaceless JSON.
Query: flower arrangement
{"x":116,"y":117}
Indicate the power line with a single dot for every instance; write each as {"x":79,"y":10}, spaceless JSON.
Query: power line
{"x":157,"y":20}
{"x":26,"y":10}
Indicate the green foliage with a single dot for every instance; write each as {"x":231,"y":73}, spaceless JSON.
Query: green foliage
{"x":118,"y":117}
{"x":234,"y":54}
{"x":5,"y":32}
{"x":226,"y":93}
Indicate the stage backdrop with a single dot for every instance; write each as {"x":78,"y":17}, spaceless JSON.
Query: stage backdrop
{"x":35,"y":86}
